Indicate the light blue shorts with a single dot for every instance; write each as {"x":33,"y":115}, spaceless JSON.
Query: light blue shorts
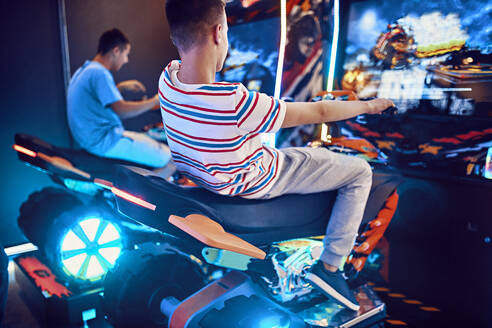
{"x":139,"y":148}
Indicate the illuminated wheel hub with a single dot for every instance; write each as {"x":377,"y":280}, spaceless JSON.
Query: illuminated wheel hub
{"x":90,"y":248}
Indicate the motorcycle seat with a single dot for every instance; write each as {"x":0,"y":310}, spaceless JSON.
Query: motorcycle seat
{"x":256,"y":221}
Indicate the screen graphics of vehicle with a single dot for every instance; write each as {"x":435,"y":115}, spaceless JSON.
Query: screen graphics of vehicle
{"x":428,"y":56}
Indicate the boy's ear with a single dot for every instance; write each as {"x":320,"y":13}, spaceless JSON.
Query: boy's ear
{"x":217,"y":33}
{"x":172,"y":39}
{"x":115,"y":51}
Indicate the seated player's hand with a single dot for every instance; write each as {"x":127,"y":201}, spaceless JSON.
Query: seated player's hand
{"x":378,"y":105}
{"x":157,"y":104}
{"x":131,"y":85}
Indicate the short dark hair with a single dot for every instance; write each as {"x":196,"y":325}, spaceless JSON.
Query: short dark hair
{"x":188,"y":19}
{"x":110,"y":39}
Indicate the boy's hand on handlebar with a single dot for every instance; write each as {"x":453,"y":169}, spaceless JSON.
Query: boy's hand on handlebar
{"x":378,"y":105}
{"x":131,"y":85}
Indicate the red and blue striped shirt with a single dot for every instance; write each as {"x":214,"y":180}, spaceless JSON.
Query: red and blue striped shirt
{"x":213,"y":131}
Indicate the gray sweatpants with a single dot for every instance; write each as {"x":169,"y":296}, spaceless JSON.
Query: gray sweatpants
{"x":310,"y":170}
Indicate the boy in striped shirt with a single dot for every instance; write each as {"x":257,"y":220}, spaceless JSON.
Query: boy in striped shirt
{"x":213,"y":131}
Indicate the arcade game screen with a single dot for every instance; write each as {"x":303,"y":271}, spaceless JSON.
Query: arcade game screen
{"x":428,"y":56}
{"x":254,"y":36}
{"x":254,"y":42}
{"x":434,"y":60}
{"x":252,"y":58}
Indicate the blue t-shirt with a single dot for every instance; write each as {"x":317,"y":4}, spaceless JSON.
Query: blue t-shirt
{"x":94,"y":125}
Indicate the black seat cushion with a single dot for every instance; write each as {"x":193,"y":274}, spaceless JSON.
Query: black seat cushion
{"x":258,"y":221}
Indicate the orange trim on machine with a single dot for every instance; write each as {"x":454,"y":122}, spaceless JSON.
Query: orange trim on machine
{"x":351,"y":95}
{"x":25,"y":151}
{"x":43,"y":278}
{"x":367,"y":240}
{"x":103,"y":183}
{"x":134,"y":199}
{"x":63,"y":164}
{"x":56,"y":161}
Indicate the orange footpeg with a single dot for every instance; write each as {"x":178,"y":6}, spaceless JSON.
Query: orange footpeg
{"x":212,"y":234}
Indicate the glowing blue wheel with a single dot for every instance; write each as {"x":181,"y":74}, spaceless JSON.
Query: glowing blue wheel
{"x":90,"y":248}
{"x":79,"y":242}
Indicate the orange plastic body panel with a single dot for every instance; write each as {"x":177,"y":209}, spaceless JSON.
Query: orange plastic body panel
{"x":63,"y":164}
{"x":212,"y":234}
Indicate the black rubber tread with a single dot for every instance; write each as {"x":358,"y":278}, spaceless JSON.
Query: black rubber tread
{"x":137,"y":276}
{"x":39,"y":211}
{"x":46,"y":216}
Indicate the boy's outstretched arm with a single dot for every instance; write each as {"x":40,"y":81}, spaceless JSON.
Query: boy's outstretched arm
{"x":300,"y":113}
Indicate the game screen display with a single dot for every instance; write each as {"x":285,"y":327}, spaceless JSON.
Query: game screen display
{"x":434,"y":60}
{"x":253,"y":55}
{"x":428,"y":56}
{"x":309,"y":35}
{"x":254,"y":37}
{"x":254,"y":41}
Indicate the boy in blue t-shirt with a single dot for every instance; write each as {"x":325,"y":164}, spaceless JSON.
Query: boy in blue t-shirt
{"x":95,"y":107}
{"x":214,"y":131}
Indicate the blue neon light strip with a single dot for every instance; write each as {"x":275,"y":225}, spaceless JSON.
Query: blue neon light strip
{"x":269,"y":138}
{"x":334,"y":45}
{"x":281,"y":50}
